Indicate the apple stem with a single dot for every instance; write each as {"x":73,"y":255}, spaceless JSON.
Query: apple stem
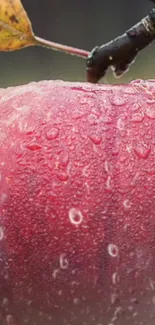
{"x":60,"y":47}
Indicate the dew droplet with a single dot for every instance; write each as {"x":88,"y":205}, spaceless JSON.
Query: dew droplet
{"x":106,"y":166}
{"x":135,"y":107}
{"x":9,"y":320}
{"x":62,"y":175}
{"x":114,"y":278}
{"x":150,"y":112}
{"x":75,"y":216}
{"x":118,"y":100}
{"x":63,"y":261}
{"x":29,"y":302}
{"x":114,"y":298}
{"x":92,"y":119}
{"x":113,"y":250}
{"x":152,"y":284}
{"x":76,"y":301}
{"x":108,"y":183}
{"x":126,"y":204}
{"x":1,"y":233}
{"x":121,"y":123}
{"x":5,"y":301}
{"x":34,"y":146}
{"x":142,"y":150}
{"x":137,"y":117}
{"x":55,"y":273}
{"x":137,"y":81}
{"x":95,"y":138}
{"x":51,"y":133}
{"x":150,"y":100}
{"x":64,"y":159}
{"x":86,"y":171}
{"x":153,"y":300}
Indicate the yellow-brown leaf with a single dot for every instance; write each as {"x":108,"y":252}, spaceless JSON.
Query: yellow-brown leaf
{"x":15,"y":27}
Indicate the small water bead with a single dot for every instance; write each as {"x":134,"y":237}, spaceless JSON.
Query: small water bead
{"x":62,"y":175}
{"x":9,"y":320}
{"x":142,"y":150}
{"x":51,"y":133}
{"x":76,"y":301}
{"x":126,"y":204}
{"x":55,"y":273}
{"x":113,"y":250}
{"x":118,"y":100}
{"x":29,"y":302}
{"x":63,"y":261}
{"x":106,"y":166}
{"x":130,"y":90}
{"x":153,"y":300}
{"x":150,"y":100}
{"x":92,"y":119}
{"x":137,"y":81}
{"x":95,"y":138}
{"x":108,"y":183}
{"x":5,"y":301}
{"x":86,"y":171}
{"x":34,"y":146}
{"x":150,"y":112}
{"x":135,"y":106}
{"x":137,"y":117}
{"x":114,"y":298}
{"x":152,"y":284}
{"x":75,"y":216}
{"x":114,"y":278}
{"x":121,"y":123}
{"x":1,"y":233}
{"x":64,"y":158}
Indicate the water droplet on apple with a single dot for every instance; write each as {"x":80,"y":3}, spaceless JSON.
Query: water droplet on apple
{"x":63,"y":261}
{"x":76,"y":301}
{"x":114,"y":278}
{"x":9,"y":320}
{"x":95,"y":138}
{"x":135,"y":107}
{"x":51,"y":132}
{"x":113,"y":250}
{"x":121,"y":123}
{"x":55,"y":273}
{"x":114,"y":298}
{"x":62,"y":175}
{"x":106,"y":166}
{"x":5,"y":301}
{"x":108,"y":183}
{"x":34,"y":146}
{"x":118,"y":100}
{"x":64,"y":159}
{"x":137,"y":117}
{"x":126,"y":204}
{"x":142,"y":150}
{"x":150,"y":112}
{"x":1,"y":233}
{"x":75,"y":216}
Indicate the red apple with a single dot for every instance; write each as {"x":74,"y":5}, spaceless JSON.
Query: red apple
{"x":77,"y":204}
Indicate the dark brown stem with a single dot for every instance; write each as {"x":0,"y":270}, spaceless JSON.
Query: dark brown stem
{"x":122,"y":51}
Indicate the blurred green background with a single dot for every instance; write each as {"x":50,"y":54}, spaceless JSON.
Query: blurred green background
{"x":80,"y":23}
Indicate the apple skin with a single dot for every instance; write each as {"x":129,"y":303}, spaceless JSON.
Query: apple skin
{"x":77,"y":204}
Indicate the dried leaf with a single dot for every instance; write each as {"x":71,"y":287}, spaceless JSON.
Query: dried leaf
{"x":15,"y":26}
{"x":16,"y":31}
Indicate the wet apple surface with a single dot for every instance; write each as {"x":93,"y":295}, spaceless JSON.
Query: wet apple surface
{"x":77,"y":204}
